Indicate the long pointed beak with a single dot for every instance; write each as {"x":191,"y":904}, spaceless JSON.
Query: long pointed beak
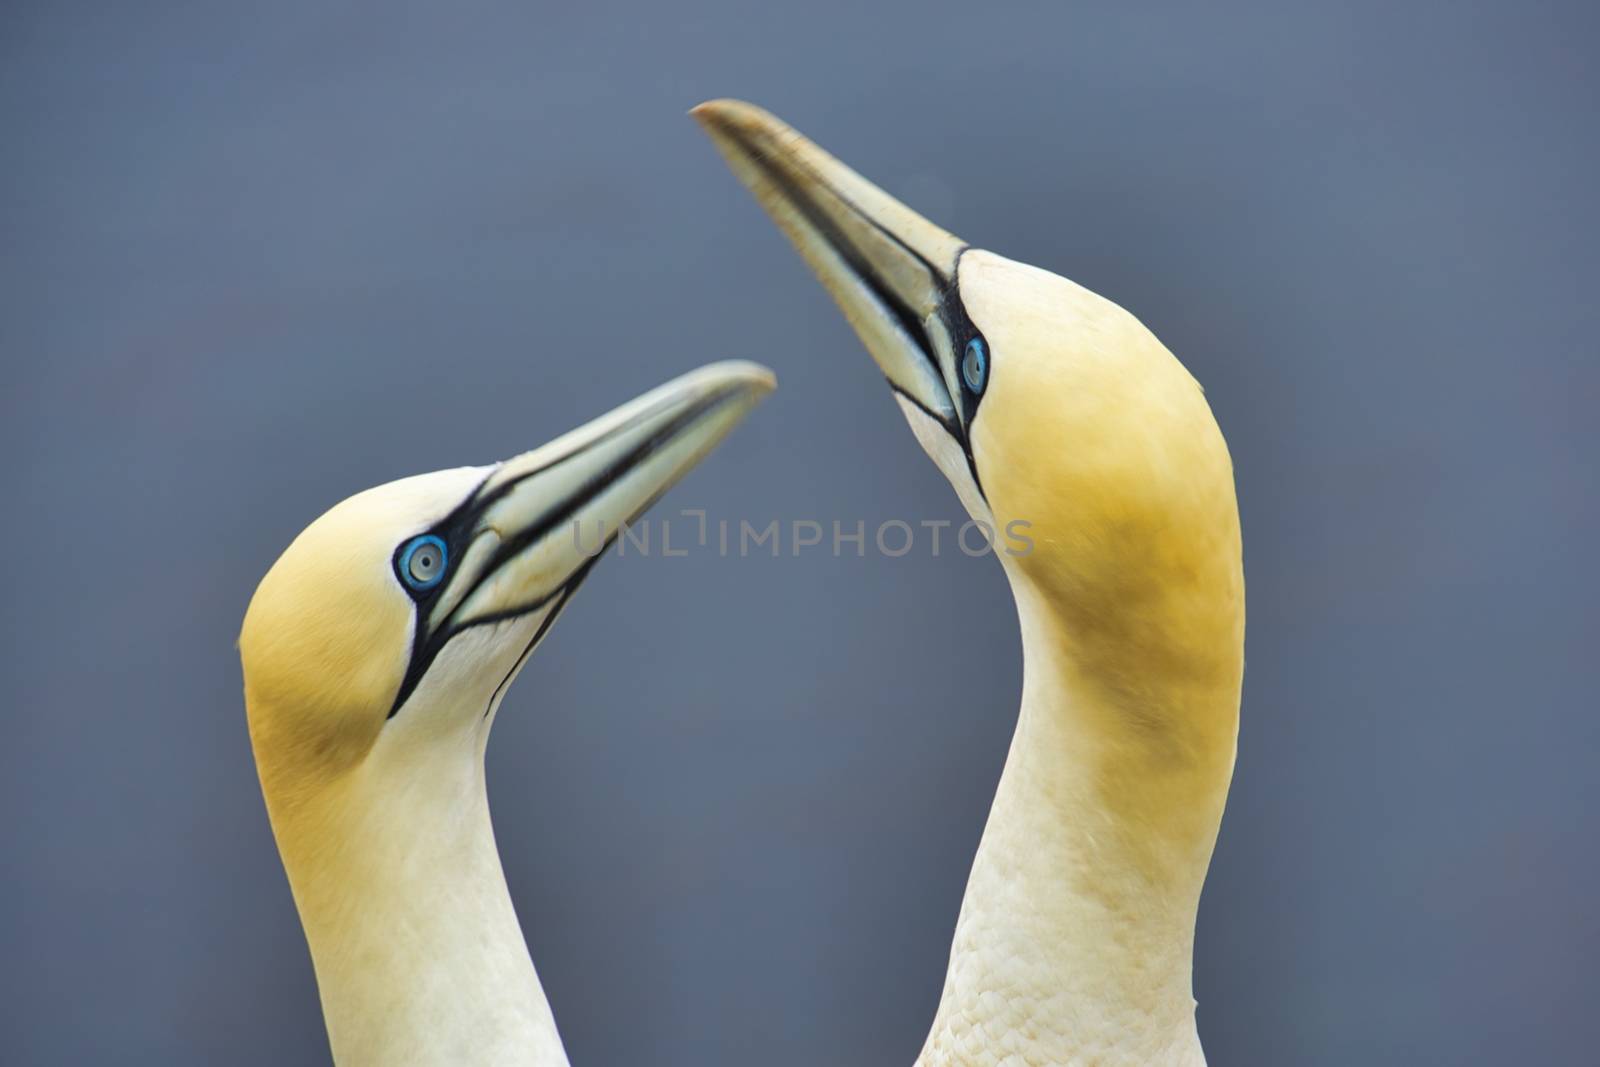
{"x":889,"y":269}
{"x":529,"y":534}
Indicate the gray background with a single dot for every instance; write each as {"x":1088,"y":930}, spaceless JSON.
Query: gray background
{"x":255,"y":258}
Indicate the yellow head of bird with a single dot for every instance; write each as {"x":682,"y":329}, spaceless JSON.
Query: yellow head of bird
{"x":1060,"y":420}
{"x":397,"y":619}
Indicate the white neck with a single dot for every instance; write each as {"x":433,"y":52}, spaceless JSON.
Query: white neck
{"x":418,"y":953}
{"x":1074,"y":944}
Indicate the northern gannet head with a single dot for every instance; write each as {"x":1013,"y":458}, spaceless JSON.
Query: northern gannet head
{"x":376,"y":652}
{"x":1054,"y":413}
{"x":392,"y":626}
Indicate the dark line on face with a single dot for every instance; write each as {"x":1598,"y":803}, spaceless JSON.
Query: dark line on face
{"x":448,"y":631}
{"x":914,"y":402}
{"x":499,"y":492}
{"x":605,"y":477}
{"x":567,"y":590}
{"x":958,"y":325}
{"x":451,"y":529}
{"x":909,"y":322}
{"x":517,"y":666}
{"x":426,"y":646}
{"x":961,"y":329}
{"x":538,"y":635}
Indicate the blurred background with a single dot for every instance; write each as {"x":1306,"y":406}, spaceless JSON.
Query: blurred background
{"x":254,"y":258}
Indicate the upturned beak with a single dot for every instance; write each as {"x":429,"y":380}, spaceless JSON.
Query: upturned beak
{"x":536,"y":525}
{"x":891,"y":271}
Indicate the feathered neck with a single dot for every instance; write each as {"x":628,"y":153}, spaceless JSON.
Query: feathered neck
{"x":418,"y":952}
{"x":1076,"y":933}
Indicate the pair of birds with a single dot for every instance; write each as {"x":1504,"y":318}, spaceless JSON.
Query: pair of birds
{"x":378,"y":647}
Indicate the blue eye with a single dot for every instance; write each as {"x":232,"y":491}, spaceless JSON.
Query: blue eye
{"x":423,"y":561}
{"x":975,"y":365}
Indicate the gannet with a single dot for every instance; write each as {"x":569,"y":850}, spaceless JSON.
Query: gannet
{"x":1049,"y":406}
{"x":376,"y":652}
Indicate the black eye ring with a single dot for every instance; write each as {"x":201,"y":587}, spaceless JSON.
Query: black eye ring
{"x":423,"y":562}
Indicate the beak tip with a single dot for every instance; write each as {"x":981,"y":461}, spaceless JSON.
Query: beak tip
{"x":708,"y":114}
{"x":747,"y":376}
{"x":709,"y":110}
{"x":728,"y":115}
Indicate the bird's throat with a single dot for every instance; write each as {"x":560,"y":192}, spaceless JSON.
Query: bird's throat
{"x":418,"y":952}
{"x":1075,"y":939}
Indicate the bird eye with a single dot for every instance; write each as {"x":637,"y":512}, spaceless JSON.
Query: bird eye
{"x":422,"y":562}
{"x":975,"y":365}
